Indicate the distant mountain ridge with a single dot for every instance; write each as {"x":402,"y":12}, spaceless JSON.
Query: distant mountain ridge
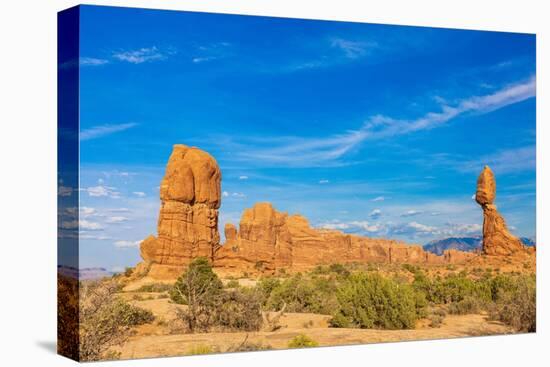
{"x":467,"y":244}
{"x":84,"y":273}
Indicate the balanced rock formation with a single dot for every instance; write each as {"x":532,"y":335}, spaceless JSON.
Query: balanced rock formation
{"x":188,"y":219}
{"x":497,"y":240}
{"x":268,"y":240}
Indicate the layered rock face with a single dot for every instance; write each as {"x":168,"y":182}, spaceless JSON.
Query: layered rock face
{"x":188,"y":218}
{"x":268,"y":240}
{"x":497,"y":240}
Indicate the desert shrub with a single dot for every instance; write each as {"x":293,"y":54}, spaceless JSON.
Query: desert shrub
{"x":208,"y":305}
{"x":515,"y":302}
{"x":155,"y":288}
{"x":247,"y":346}
{"x":368,"y":300}
{"x":339,"y":269}
{"x":410,"y":268}
{"x":304,"y":294}
{"x":320,"y":269}
{"x":232,"y":284}
{"x":132,"y":315}
{"x":436,"y":320}
{"x":468,"y":305}
{"x":128,"y":271}
{"x":200,"y":289}
{"x":266,"y":287}
{"x":302,"y":341}
{"x":239,"y":309}
{"x":200,"y":349}
{"x":105,"y":320}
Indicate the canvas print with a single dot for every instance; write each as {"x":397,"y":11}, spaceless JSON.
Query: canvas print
{"x":238,"y":183}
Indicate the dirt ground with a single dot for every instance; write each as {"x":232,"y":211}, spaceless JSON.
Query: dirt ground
{"x":162,"y":338}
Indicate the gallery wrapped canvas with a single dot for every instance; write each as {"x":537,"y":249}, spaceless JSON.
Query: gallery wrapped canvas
{"x":236,"y":183}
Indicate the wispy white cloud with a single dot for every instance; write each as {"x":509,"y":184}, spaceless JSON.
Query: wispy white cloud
{"x":101,"y":190}
{"x":336,"y":51}
{"x":414,"y":229}
{"x":238,"y":195}
{"x":411,"y":213}
{"x":92,"y":61}
{"x":86,"y":211}
{"x":116,"y":219}
{"x":315,"y":151}
{"x":210,"y":52}
{"x":334,"y":225}
{"x":243,"y":177}
{"x":84,"y":224}
{"x":126,"y":244}
{"x":379,"y":198}
{"x":375,"y":214}
{"x":322,"y":182}
{"x":86,"y":236}
{"x":118,"y":210}
{"x":139,"y":194}
{"x":504,"y":161}
{"x":381,"y":126}
{"x":353,"y":49}
{"x":103,"y":130}
{"x":141,"y":55}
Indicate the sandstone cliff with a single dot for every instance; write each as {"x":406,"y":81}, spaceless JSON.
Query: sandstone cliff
{"x":497,"y":240}
{"x":268,"y":240}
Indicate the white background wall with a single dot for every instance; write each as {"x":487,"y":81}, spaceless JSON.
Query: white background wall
{"x":28,"y":181}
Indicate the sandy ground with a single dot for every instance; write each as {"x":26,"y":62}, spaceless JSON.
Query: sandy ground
{"x":162,"y":339}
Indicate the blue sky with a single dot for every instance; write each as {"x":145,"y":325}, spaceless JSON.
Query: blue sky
{"x":371,"y":129}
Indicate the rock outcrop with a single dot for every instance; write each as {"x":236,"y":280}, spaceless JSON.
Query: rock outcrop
{"x":188,"y":219}
{"x":497,"y":240}
{"x":268,"y":240}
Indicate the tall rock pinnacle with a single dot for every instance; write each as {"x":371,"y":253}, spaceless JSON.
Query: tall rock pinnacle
{"x":188,"y":219}
{"x":497,"y":240}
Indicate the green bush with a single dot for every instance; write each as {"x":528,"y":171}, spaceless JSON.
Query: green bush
{"x":266,"y":287}
{"x":302,"y":341}
{"x":198,"y":282}
{"x":200,"y":289}
{"x":302,"y":294}
{"x":368,"y":300}
{"x":131,"y":315}
{"x":453,"y":288}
